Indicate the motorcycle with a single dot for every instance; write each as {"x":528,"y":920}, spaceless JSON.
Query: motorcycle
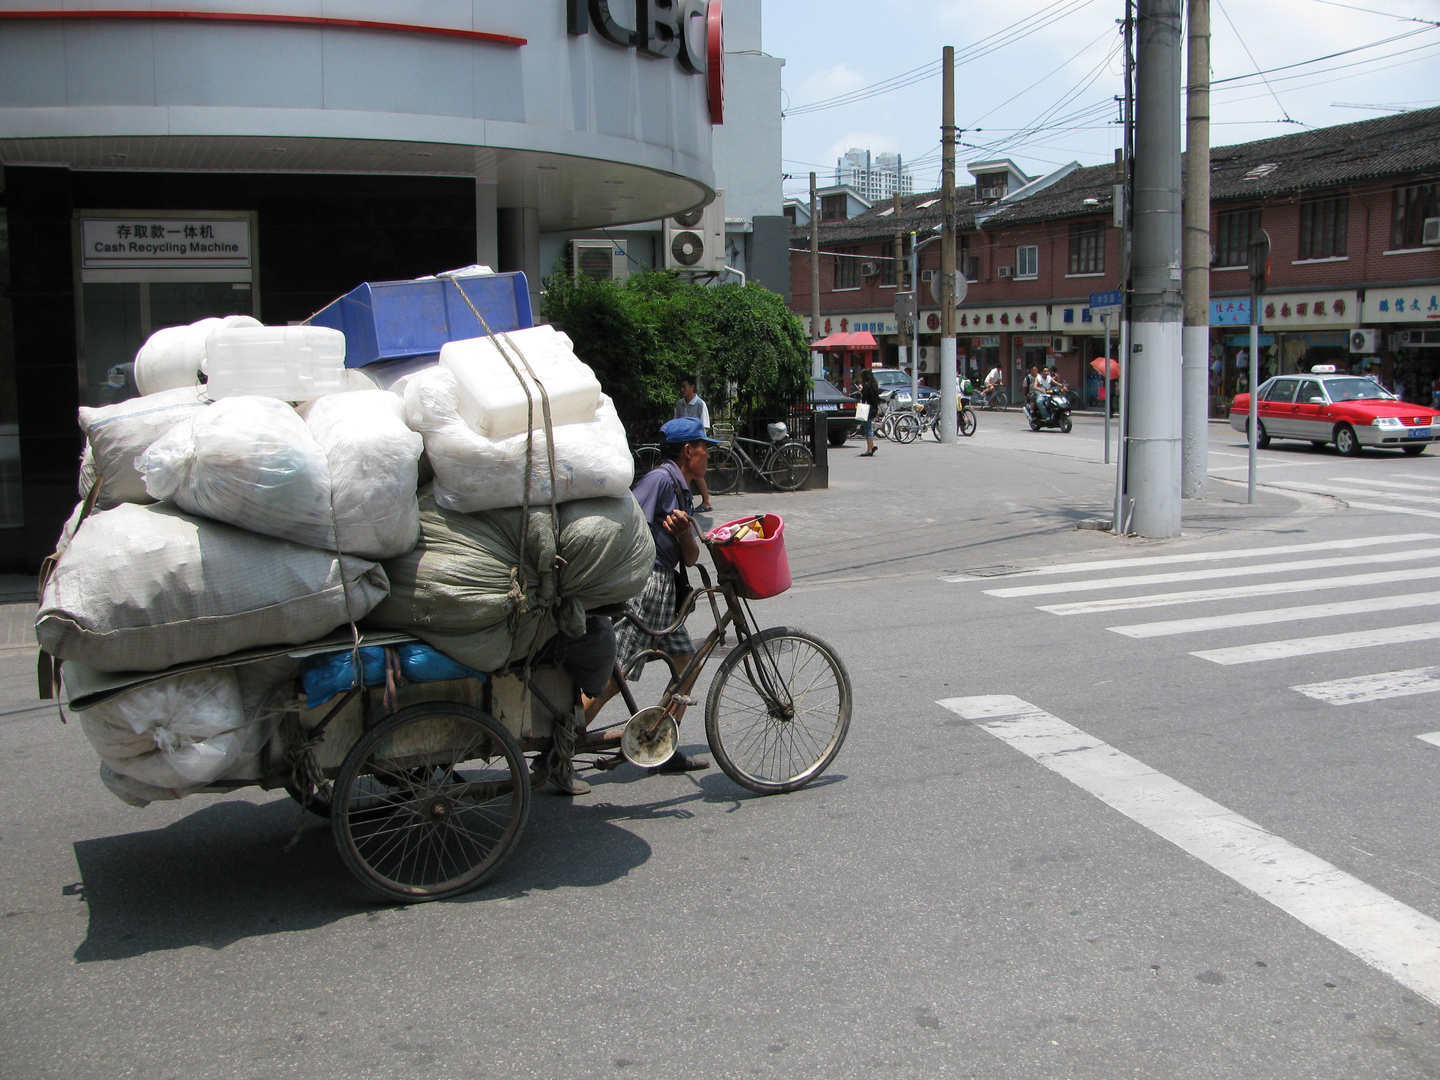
{"x":1057,"y":404}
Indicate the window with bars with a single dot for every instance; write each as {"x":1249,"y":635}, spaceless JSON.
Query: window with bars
{"x":847,"y":268}
{"x":833,"y":207}
{"x":887,"y":266}
{"x":1413,"y":204}
{"x":1323,"y":225}
{"x":1087,"y":248}
{"x":1232,"y":237}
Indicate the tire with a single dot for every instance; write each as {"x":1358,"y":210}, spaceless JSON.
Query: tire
{"x":646,"y":458}
{"x":722,"y":474}
{"x":1000,"y":401}
{"x":935,"y":429}
{"x":768,"y":740}
{"x":430,"y":802}
{"x":966,"y":423}
{"x":1346,"y":441}
{"x":1034,"y":423}
{"x":907,"y":428}
{"x":882,"y":428}
{"x":836,"y":438}
{"x":788,"y":466}
{"x":318,"y":803}
{"x":1066,"y":423}
{"x":1414,"y":451}
{"x":1262,"y":438}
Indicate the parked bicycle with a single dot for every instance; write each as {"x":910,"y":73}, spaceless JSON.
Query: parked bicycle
{"x":784,"y":462}
{"x":909,"y":426}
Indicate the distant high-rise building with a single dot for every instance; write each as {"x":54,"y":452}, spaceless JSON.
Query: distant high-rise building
{"x":875,"y":176}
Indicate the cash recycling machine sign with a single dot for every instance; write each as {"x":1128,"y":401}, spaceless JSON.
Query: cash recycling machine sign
{"x":148,"y":243}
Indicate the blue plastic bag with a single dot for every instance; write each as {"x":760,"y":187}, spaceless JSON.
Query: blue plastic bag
{"x":329,"y":674}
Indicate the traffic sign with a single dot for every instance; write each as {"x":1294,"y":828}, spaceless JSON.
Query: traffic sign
{"x":1107,"y":303}
{"x":904,"y":307}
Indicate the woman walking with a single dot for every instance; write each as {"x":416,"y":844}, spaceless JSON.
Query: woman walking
{"x":869,"y":395}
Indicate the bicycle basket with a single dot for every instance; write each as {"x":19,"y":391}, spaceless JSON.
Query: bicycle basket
{"x":777,"y":432}
{"x":725,"y":433}
{"x":759,"y":564}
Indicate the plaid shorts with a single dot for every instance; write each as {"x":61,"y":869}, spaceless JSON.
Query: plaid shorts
{"x":655,"y":606}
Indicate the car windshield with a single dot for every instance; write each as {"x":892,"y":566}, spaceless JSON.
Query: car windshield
{"x":1357,"y":389}
{"x":892,"y":378}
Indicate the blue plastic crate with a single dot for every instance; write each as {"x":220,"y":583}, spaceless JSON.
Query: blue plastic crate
{"x":395,"y":320}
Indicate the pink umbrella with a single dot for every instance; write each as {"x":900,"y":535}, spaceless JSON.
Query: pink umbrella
{"x":1099,"y":365}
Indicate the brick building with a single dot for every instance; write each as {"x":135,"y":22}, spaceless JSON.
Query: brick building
{"x":1346,"y":209}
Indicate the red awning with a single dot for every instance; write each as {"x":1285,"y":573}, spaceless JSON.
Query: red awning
{"x":860,"y":341}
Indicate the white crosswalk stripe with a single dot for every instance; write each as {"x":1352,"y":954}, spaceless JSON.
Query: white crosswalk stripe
{"x":1377,"y":687}
{"x":1277,"y":615}
{"x":1308,"y":646}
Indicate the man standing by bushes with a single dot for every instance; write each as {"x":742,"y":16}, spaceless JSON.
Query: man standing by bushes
{"x":692,"y":404}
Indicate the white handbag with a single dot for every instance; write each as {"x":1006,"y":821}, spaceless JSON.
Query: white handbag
{"x":862,"y":411}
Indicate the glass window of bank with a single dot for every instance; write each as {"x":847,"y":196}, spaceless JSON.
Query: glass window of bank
{"x":141,"y":271}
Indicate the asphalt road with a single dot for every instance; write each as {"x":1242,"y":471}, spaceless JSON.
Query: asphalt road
{"x":1118,"y":848}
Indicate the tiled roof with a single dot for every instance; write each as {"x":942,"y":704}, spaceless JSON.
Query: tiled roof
{"x":1390,"y":147}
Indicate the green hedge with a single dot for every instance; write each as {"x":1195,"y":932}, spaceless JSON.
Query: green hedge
{"x":641,"y":335}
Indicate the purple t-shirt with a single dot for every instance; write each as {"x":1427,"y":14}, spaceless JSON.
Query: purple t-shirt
{"x":657,"y":495}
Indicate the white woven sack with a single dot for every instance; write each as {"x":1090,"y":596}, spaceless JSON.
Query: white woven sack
{"x":472,"y":472}
{"x":374,"y":464}
{"x":119,"y":433}
{"x":142,"y":588}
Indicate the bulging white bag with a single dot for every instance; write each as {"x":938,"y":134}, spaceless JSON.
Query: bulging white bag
{"x":472,"y":472}
{"x":250,"y":462}
{"x":374,"y":463}
{"x":117,"y":434}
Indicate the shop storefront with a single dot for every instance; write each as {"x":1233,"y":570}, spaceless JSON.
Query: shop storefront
{"x":1408,"y":320}
{"x":1297,"y":332}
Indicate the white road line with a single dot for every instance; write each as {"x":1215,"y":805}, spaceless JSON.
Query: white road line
{"x":1264,"y":588}
{"x":1277,"y":615}
{"x":1095,"y":584}
{"x":1413,"y":477}
{"x":1209,"y":556}
{"x":1433,"y":738}
{"x":1383,"y":483}
{"x":1346,"y":492}
{"x":1308,"y":646}
{"x":1391,"y":937}
{"x":1377,"y":687}
{"x":1412,"y":511}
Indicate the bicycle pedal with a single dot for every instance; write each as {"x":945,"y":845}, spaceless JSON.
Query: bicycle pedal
{"x":683,"y":699}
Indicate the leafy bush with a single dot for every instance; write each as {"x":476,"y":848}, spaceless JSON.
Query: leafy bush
{"x":642,"y":335}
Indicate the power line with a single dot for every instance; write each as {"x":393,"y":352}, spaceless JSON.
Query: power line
{"x":1372,"y":11}
{"x":1288,"y":118}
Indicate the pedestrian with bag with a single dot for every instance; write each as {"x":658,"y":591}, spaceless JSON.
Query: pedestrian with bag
{"x":870,"y":404}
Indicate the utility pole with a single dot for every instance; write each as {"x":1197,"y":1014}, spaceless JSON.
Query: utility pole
{"x":1153,"y":463}
{"x":1195,"y":364}
{"x":817,"y":359}
{"x":947,"y":254}
{"x":899,"y":265}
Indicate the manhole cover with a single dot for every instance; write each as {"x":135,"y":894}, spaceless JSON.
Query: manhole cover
{"x":989,"y":571}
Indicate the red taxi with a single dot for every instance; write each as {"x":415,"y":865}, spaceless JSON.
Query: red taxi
{"x":1352,"y":411}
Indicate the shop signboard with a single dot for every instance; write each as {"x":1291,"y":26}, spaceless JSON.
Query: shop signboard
{"x":1319,"y":310}
{"x":1234,"y":311}
{"x":1014,"y":319}
{"x":147,"y":243}
{"x":1402,"y":304}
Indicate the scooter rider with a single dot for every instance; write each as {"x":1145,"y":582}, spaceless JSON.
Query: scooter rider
{"x":1039,"y":384}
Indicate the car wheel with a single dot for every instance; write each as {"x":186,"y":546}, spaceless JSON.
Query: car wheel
{"x":837,"y":438}
{"x":1346,"y":440}
{"x":1262,"y":438}
{"x":1413,"y":451}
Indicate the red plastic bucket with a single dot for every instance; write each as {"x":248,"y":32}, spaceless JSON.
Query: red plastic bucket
{"x":759,"y":564}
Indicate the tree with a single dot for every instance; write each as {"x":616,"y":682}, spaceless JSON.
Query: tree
{"x":642,"y":335}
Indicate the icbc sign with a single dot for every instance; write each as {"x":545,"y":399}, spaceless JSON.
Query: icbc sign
{"x":689,"y":31}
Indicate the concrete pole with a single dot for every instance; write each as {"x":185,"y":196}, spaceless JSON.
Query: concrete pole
{"x":947,"y":254}
{"x":1195,"y":365}
{"x":915,"y":284}
{"x":899,"y":265}
{"x":1153,"y":464}
{"x":817,"y":359}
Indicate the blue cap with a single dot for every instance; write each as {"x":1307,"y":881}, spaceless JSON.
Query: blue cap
{"x":684,"y":429}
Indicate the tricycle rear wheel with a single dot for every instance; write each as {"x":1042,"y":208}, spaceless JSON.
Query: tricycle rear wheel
{"x":430,"y":802}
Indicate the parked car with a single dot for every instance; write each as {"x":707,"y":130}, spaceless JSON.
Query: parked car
{"x":1351,"y":411}
{"x":839,"y":410}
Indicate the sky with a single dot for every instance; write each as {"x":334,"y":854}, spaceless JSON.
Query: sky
{"x":1035,"y":80}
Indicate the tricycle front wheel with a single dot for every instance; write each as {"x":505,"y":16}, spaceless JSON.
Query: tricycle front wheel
{"x":430,"y":802}
{"x":778,"y":710}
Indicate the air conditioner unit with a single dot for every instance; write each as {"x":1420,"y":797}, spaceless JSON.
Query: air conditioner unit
{"x":1061,"y":345}
{"x":928,"y":276}
{"x":601,"y":260}
{"x":1364,"y":341}
{"x":1005,"y":271}
{"x":928,"y":360}
{"x":1431,"y":231}
{"x":992,"y":193}
{"x":1404,"y":338}
{"x":869,"y":269}
{"x":695,"y":240}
